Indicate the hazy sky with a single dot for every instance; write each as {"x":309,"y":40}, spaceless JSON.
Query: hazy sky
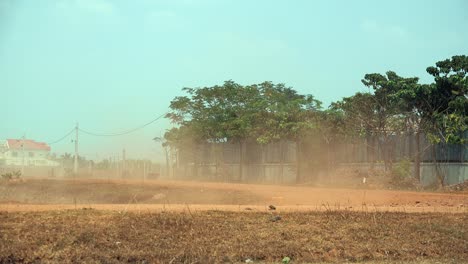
{"x":114,"y":65}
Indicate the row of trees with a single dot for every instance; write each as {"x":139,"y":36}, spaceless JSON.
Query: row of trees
{"x":268,"y":112}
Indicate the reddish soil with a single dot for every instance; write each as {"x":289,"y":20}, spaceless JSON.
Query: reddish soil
{"x":33,"y":195}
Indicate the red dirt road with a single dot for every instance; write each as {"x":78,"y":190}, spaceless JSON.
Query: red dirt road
{"x":196,"y":196}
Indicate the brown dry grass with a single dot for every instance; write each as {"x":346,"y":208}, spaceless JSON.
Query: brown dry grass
{"x":164,"y":221}
{"x":94,"y":236}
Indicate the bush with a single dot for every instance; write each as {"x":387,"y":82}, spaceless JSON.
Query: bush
{"x":402,"y":170}
{"x":8,"y":176}
{"x":401,"y":175}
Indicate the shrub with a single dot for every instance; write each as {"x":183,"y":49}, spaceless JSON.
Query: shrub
{"x":8,"y":176}
{"x":401,"y":175}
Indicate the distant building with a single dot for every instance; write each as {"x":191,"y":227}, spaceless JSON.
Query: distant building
{"x":27,"y":152}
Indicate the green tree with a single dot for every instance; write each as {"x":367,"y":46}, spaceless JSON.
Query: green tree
{"x":413,"y":97}
{"x":387,"y":108}
{"x":233,"y":113}
{"x":330,"y":125}
{"x":215,"y":114}
{"x":359,"y":120}
{"x":438,"y":109}
{"x":284,"y":115}
{"x":447,"y":103}
{"x":446,"y":107}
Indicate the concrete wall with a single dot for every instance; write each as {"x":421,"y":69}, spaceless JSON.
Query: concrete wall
{"x":454,"y":173}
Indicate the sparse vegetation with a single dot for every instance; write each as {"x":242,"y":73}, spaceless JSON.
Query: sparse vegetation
{"x":234,"y":131}
{"x":401,"y":176}
{"x":230,"y":237}
{"x":9,"y":176}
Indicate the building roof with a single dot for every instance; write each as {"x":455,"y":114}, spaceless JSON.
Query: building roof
{"x":29,"y":144}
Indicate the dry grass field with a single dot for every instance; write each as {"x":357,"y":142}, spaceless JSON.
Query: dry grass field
{"x":96,"y":221}
{"x":89,"y":236}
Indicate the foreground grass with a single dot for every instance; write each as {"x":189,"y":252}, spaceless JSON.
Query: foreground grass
{"x":213,"y":237}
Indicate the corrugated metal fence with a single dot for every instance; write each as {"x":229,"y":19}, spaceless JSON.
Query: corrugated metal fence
{"x":291,"y":162}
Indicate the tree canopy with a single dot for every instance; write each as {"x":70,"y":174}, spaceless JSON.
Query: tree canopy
{"x":262,"y":112}
{"x":266,"y":112}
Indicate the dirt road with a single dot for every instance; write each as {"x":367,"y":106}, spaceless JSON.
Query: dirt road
{"x":46,"y":194}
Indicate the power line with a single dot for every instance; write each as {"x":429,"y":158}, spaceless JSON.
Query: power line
{"x":124,"y":132}
{"x":62,"y":138}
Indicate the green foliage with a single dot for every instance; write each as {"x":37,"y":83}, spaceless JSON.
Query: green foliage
{"x":268,"y":112}
{"x":445,"y":102}
{"x":330,"y":124}
{"x":388,"y":108}
{"x":231,"y":112}
{"x":359,"y":114}
{"x":402,"y":170}
{"x":395,"y":105}
{"x":401,"y":176}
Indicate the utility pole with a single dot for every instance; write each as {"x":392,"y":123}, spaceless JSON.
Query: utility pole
{"x":144,"y":170}
{"x":22,"y":152}
{"x":75,"y":167}
{"x":124,"y":166}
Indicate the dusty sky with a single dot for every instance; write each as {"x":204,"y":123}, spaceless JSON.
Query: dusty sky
{"x":114,"y":65}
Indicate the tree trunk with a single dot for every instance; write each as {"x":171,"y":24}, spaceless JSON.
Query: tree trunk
{"x":390,"y":154}
{"x":374,"y":152}
{"x":410,"y":143}
{"x":387,"y":153}
{"x":382,"y":153}
{"x":370,"y":151}
{"x":217,"y":162}
{"x":263,"y":163}
{"x":241,"y":160}
{"x":171,"y":155}
{"x":281,"y":161}
{"x":328,"y":161}
{"x":196,"y":162}
{"x":462,"y":153}
{"x":439,"y":175}
{"x":417,"y":157}
{"x":167,"y":162}
{"x":298,"y":161}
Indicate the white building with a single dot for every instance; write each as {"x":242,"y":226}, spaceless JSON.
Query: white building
{"x":25,"y":152}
